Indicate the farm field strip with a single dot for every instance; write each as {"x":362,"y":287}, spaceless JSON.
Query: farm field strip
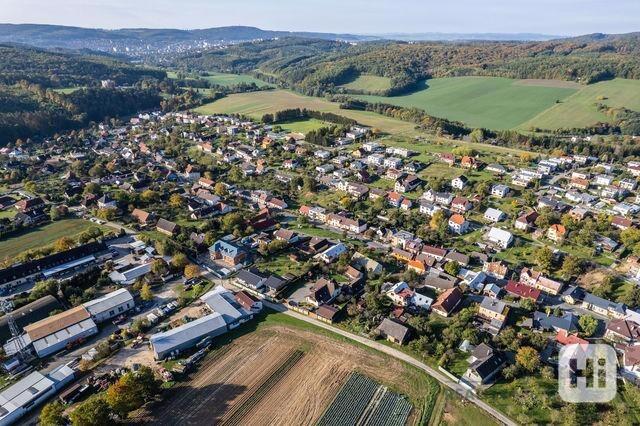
{"x":392,"y":410}
{"x":361,"y":401}
{"x":252,"y":398}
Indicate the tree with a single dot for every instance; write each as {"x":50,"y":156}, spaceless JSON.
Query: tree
{"x":149,"y":196}
{"x":93,"y":412}
{"x":571,"y":266}
{"x":158,"y":267}
{"x":588,"y":325}
{"x":179,"y":261}
{"x":220,"y":189}
{"x":631,"y":297}
{"x":437,"y":220}
{"x":176,"y":201}
{"x":544,"y":258}
{"x":191,"y":271}
{"x":52,"y":414}
{"x":131,"y":391}
{"x":145,"y":292}
{"x":43,"y":288}
{"x":527,"y":304}
{"x":528,"y":358}
{"x":308,"y":184}
{"x":452,"y":268}
{"x":63,"y":244}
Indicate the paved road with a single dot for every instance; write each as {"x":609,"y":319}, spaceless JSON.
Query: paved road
{"x":461,"y":390}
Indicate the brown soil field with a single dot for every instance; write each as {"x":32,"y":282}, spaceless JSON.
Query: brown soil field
{"x":229,"y":386}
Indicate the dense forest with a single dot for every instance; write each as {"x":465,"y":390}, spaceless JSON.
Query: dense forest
{"x":30,"y":105}
{"x":58,"y":70}
{"x":29,"y":111}
{"x":315,"y":67}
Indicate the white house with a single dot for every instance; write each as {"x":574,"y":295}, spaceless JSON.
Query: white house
{"x":499,"y":191}
{"x":460,"y":182}
{"x":500,"y":237}
{"x":494,"y":215}
{"x":332,"y":253}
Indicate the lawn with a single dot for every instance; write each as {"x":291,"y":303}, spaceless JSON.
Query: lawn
{"x":489,"y":102}
{"x":256,"y":104}
{"x":452,"y":410}
{"x":303,"y":126}
{"x":68,"y":90}
{"x":579,"y":110}
{"x":42,"y":236}
{"x":280,"y":264}
{"x":369,"y":83}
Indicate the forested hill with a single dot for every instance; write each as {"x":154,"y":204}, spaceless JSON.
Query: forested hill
{"x":51,"y":69}
{"x":31,"y":104}
{"x":315,"y":67}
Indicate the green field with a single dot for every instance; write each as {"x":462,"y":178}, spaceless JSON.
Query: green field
{"x":303,"y":126}
{"x":369,"y":83}
{"x":68,"y":90}
{"x":256,"y":104}
{"x":41,"y":236}
{"x":224,"y":79}
{"x":579,"y":109}
{"x":490,"y":102}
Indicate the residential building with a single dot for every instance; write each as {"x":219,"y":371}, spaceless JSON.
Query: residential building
{"x":393,"y":331}
{"x":499,"y":237}
{"x":447,"y":302}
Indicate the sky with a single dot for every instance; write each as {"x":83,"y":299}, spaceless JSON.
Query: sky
{"x":555,"y":17}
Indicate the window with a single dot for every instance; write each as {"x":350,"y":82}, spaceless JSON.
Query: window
{"x":111,"y":312}
{"x":120,"y":309}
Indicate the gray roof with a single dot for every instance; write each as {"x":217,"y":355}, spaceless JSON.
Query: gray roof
{"x":200,"y":328}
{"x":223,"y":302}
{"x":108,"y":301}
{"x":568,"y":321}
{"x":494,"y":305}
{"x":394,"y":329}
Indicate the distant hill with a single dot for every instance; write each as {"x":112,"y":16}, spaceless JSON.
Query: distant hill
{"x":141,"y":42}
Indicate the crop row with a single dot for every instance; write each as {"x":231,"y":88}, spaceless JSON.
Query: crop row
{"x":393,"y":410}
{"x":253,"y":398}
{"x":349,"y":404}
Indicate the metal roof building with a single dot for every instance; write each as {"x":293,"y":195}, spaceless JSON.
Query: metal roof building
{"x":188,"y":335}
{"x":29,"y":313}
{"x":110,"y":305}
{"x":54,"y":333}
{"x":34,"y":389}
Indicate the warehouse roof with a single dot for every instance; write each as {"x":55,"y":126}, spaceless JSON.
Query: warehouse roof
{"x":23,"y":392}
{"x":108,"y":301}
{"x":28,"y":314}
{"x":168,"y":340}
{"x":57,"y":322}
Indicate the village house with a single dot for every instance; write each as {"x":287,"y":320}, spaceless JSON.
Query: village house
{"x":459,"y":182}
{"x":495,"y":312}
{"x":393,"y":331}
{"x":143,"y":217}
{"x":535,"y":279}
{"x":167,"y":227}
{"x":500,"y":191}
{"x":557,"y":233}
{"x":499,"y":237}
{"x":458,"y":224}
{"x":622,"y":331}
{"x":526,"y":221}
{"x":494,"y":215}
{"x":461,"y":205}
{"x":447,"y":302}
{"x":228,"y":252}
